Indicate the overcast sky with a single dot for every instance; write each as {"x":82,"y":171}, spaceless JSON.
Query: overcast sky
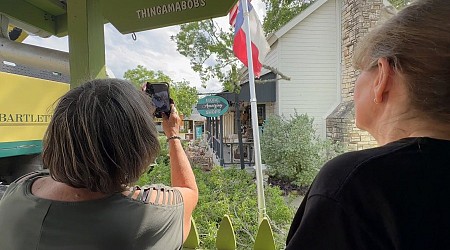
{"x":152,"y":49}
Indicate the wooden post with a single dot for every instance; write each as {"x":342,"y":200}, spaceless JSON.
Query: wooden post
{"x":86,"y":41}
{"x":221,"y":140}
{"x":239,"y":132}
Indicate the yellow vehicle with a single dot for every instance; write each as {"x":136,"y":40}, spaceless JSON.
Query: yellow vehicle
{"x":27,"y":96}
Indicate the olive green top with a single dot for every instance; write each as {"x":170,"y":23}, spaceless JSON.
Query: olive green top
{"x":28,"y":222}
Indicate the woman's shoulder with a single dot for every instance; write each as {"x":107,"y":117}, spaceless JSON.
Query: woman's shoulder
{"x":31,"y":176}
{"x":155,"y":195}
{"x":21,"y":184}
{"x":343,"y":169}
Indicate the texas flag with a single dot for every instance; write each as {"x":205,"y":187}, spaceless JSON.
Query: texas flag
{"x":260,"y":47}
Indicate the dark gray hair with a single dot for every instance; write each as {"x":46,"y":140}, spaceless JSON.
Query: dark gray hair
{"x":416,"y":42}
{"x":101,"y":136}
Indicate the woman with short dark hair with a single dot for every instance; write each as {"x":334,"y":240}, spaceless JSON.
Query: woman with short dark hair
{"x":100,"y":140}
{"x":395,"y":196}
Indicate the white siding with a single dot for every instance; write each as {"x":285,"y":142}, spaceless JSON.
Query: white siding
{"x":271,"y":58}
{"x":309,"y":54}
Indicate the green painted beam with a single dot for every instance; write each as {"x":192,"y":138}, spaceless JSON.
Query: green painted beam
{"x":139,"y":15}
{"x":54,"y":7}
{"x":86,"y":41}
{"x":29,"y":14}
{"x":8,"y":149}
{"x":61,"y":25}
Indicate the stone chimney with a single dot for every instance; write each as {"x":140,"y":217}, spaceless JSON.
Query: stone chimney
{"x":358,"y":17}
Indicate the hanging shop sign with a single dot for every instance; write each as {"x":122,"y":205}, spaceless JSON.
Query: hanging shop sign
{"x":212,"y":106}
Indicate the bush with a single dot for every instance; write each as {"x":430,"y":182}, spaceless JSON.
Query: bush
{"x":293,"y":151}
{"x":233,"y":192}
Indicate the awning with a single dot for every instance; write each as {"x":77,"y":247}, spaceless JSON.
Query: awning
{"x":265,"y":92}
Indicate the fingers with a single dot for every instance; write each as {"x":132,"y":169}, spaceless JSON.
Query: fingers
{"x":171,"y":122}
{"x":144,"y":86}
{"x":173,"y":109}
{"x":173,"y":113}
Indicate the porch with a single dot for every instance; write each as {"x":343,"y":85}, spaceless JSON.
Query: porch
{"x":226,"y":133}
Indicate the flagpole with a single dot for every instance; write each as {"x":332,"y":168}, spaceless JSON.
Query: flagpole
{"x":254,"y":111}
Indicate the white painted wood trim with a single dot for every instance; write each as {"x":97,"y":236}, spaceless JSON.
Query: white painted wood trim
{"x":304,"y":14}
{"x":339,"y":62}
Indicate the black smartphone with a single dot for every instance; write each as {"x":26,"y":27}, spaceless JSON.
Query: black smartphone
{"x":159,"y":92}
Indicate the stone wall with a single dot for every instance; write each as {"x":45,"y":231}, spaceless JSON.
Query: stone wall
{"x":358,"y":18}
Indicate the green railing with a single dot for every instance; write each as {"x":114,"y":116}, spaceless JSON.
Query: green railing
{"x":226,"y":239}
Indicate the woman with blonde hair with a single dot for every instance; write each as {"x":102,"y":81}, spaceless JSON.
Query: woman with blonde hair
{"x":395,"y":196}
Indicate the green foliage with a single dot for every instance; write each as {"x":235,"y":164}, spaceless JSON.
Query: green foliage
{"x":162,"y":172}
{"x":184,"y":96}
{"x":233,"y":192}
{"x":209,"y":49}
{"x":399,"y":3}
{"x":292,"y":149}
{"x":278,"y":13}
{"x":141,"y":74}
{"x":182,"y":93}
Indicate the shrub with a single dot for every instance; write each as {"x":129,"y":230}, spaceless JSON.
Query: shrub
{"x":233,"y":192}
{"x":293,"y":151}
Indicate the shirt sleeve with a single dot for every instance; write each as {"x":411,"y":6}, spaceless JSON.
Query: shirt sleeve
{"x":322,"y":223}
{"x":162,"y":218}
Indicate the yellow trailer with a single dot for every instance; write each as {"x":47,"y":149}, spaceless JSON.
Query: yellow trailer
{"x":26,"y":105}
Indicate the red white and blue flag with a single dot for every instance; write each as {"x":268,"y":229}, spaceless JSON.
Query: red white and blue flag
{"x":259,"y":45}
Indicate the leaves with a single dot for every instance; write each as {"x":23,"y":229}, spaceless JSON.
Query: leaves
{"x":140,"y":75}
{"x":183,"y":95}
{"x":292,"y":149}
{"x":209,"y":48}
{"x":398,"y":4}
{"x":230,"y":191}
{"x":278,"y":13}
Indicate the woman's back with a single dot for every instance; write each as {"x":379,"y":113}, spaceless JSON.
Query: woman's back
{"x":390,"y":197}
{"x":113,"y":222}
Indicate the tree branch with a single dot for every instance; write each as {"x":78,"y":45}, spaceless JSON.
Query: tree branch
{"x":271,"y":80}
{"x":276,"y":71}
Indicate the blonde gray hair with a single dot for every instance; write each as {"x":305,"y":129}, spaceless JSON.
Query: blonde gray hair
{"x":416,"y":43}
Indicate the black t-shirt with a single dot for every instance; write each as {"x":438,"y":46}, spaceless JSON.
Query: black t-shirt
{"x":392,"y":197}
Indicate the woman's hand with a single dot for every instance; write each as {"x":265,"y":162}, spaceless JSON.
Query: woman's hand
{"x":171,"y":124}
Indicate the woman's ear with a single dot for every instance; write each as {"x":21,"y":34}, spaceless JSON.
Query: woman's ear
{"x":382,"y":83}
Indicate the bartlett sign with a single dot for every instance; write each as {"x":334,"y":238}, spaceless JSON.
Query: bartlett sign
{"x":139,"y":15}
{"x":212,"y":106}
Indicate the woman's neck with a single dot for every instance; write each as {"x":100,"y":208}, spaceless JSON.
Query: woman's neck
{"x":404,"y":126}
{"x":50,"y":189}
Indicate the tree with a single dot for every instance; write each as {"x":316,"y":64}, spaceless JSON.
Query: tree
{"x":209,"y":48}
{"x":183,"y":95}
{"x":140,"y":74}
{"x":398,"y":4}
{"x":278,"y":13}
